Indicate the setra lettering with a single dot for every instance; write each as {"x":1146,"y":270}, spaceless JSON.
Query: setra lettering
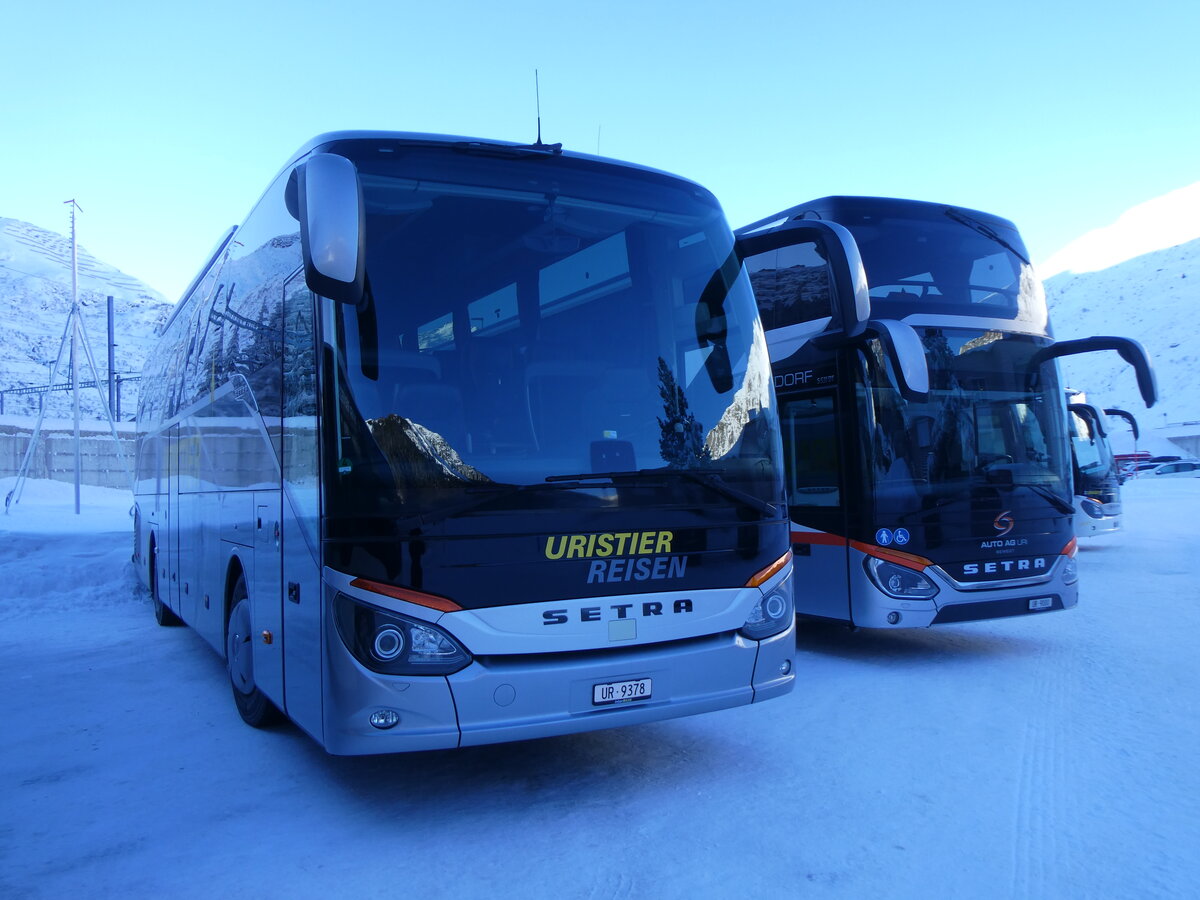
{"x":1005,"y":566}
{"x":621,"y":611}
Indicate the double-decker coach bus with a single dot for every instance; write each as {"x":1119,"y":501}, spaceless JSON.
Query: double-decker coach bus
{"x":925,"y":432}
{"x":1096,"y":479}
{"x":456,"y":442}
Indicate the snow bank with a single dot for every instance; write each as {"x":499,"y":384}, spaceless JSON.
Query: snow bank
{"x":48,"y":507}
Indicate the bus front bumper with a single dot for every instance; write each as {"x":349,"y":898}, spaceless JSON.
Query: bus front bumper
{"x":874,"y":609}
{"x":497,"y":699}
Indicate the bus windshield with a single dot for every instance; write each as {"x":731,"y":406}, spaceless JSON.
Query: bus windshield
{"x":991,"y":423}
{"x":545,"y":333}
{"x":1093,"y":454}
{"x":929,"y":258}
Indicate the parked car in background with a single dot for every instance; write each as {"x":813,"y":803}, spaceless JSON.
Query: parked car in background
{"x":1186,"y":468}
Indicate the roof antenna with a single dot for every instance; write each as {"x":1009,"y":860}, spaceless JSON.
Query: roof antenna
{"x":539,"y":147}
{"x":537,"y":93}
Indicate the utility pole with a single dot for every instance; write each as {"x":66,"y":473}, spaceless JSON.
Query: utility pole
{"x":74,"y":346}
{"x":75,"y":337}
{"x":112,"y":357}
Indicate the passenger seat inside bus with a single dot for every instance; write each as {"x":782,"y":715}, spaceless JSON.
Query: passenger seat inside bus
{"x":574,"y":403}
{"x":422,"y":396}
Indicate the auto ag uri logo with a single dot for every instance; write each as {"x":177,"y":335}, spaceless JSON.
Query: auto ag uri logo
{"x":1003,"y":523}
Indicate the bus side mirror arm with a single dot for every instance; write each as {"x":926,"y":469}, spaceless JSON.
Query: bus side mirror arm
{"x":903,"y":347}
{"x":325,"y":195}
{"x":1127,"y":416}
{"x":851,"y":292}
{"x":1091,"y":417}
{"x":1130,"y":350}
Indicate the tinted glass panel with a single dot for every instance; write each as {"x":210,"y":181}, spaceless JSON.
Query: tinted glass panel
{"x":934,"y":259}
{"x":534,"y":324}
{"x":990,"y":422}
{"x":811,"y":444}
{"x":791,"y":285}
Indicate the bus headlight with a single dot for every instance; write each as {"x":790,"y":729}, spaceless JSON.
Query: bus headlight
{"x":393,"y":644}
{"x":771,"y":614}
{"x":1092,"y":508}
{"x":898,"y":581}
{"x":389,"y":642}
{"x":1070,"y":570}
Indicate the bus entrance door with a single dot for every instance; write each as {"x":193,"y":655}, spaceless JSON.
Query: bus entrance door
{"x":816,"y":500}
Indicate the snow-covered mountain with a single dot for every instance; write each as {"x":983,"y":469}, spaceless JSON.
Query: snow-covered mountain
{"x":1152,"y":297}
{"x":35,"y":302}
{"x":1166,"y":221}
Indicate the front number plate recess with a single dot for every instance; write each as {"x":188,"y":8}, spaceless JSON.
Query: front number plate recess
{"x":621,"y":691}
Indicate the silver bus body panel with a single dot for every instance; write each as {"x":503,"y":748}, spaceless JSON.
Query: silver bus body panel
{"x":951,"y":604}
{"x":787,"y":340}
{"x":591,"y":623}
{"x":497,"y":699}
{"x":529,"y":686}
{"x":594,"y":623}
{"x":1035,"y":328}
{"x":836,"y":587}
{"x":821,"y":590}
{"x":1089,"y":526}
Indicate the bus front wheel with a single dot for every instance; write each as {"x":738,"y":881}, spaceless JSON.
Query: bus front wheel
{"x":252,"y":704}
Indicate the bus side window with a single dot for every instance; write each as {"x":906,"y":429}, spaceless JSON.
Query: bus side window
{"x":791,"y":285}
{"x":814,"y":473}
{"x":264,"y":255}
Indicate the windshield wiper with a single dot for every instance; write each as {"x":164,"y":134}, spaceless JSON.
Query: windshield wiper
{"x":711,"y":479}
{"x":987,"y":231}
{"x":1056,"y":501}
{"x":508,"y":151}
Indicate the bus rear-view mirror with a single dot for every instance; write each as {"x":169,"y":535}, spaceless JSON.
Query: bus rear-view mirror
{"x":1130,"y":351}
{"x":849,"y":299}
{"x":906,"y":353}
{"x":329,"y":205}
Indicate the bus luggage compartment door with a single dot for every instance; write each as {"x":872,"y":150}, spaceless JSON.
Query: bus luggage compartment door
{"x":266,"y":596}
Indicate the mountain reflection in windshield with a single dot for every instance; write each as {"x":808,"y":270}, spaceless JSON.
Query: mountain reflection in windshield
{"x":418,"y":456}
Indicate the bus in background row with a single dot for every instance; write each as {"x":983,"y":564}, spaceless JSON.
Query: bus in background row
{"x":1096,"y":478}
{"x":456,"y":442}
{"x":925,"y":430}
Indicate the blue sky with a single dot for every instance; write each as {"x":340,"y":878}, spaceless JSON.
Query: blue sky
{"x":166,"y":121}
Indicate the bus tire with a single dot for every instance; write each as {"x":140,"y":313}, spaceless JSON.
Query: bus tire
{"x":162,"y":613}
{"x":252,"y":704}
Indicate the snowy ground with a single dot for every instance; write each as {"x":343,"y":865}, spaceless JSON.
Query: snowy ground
{"x":1054,"y":756}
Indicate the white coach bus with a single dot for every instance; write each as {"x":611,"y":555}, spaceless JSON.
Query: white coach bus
{"x":456,"y":442}
{"x":924,"y":426}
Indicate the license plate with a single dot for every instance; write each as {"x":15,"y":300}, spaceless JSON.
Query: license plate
{"x":1041,"y":602}
{"x":621,"y":692}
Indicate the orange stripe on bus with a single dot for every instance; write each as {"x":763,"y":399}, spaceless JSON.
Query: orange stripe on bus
{"x":899,"y":557}
{"x":822,"y":538}
{"x":429,"y":601}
